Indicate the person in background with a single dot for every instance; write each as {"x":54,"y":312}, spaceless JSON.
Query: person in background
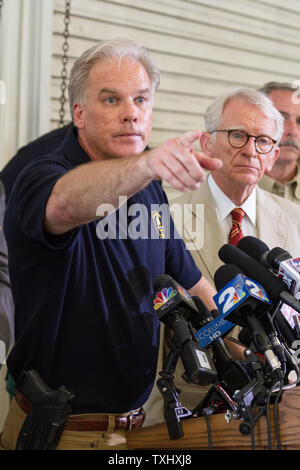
{"x":8,"y":175}
{"x":38,"y":147}
{"x":284,"y":177}
{"x":243,"y":130}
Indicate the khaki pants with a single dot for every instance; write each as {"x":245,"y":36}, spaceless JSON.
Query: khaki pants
{"x":69,"y":440}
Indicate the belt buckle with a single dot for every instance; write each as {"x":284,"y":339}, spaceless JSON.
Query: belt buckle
{"x":130,"y":421}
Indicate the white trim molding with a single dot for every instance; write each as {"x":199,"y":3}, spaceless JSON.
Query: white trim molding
{"x":25,"y":64}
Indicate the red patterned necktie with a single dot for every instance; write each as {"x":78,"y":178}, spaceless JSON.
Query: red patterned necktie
{"x":236,"y":231}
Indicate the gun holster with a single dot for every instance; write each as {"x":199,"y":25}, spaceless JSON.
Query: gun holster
{"x":45,"y":422}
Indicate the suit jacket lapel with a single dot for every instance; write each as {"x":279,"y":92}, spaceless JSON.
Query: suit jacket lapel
{"x":214,"y":236}
{"x":270,"y":226}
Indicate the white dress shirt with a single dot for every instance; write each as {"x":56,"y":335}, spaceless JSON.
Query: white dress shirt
{"x":225,"y":206}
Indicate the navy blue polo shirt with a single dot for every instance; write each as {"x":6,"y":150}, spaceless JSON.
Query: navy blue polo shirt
{"x":83,"y":315}
{"x":43,"y":145}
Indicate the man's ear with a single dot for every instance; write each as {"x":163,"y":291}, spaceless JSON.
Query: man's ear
{"x":78,"y":113}
{"x":206,"y":142}
{"x":272,"y":160}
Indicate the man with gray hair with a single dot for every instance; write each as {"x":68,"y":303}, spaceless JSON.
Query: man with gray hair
{"x":92,"y":328}
{"x":284,"y":178}
{"x":243,"y":130}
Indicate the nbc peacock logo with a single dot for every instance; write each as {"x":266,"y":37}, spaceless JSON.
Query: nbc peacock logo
{"x":237,"y":297}
{"x":163,"y":297}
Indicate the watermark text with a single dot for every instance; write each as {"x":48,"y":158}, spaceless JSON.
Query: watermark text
{"x":138,"y":221}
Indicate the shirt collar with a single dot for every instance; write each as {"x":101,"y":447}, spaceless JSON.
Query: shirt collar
{"x":271,"y":182}
{"x":225,"y":205}
{"x":73,"y":149}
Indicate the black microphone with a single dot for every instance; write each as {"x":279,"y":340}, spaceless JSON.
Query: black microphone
{"x":245,"y":337}
{"x":273,"y":259}
{"x":246,"y":309}
{"x":279,"y":260}
{"x":275,"y":287}
{"x":174,"y":307}
{"x":230,"y":371}
{"x":255,"y":248}
{"x":258,"y":250}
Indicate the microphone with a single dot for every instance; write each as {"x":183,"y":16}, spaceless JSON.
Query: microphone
{"x":245,"y":300}
{"x":231,"y":372}
{"x":287,"y":319}
{"x":275,"y":287}
{"x":175,"y":308}
{"x":240,"y":290}
{"x":255,"y":248}
{"x":279,"y":260}
{"x":209,"y":325}
{"x":245,"y":338}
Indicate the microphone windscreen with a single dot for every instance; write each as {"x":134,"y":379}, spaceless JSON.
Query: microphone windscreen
{"x":202,"y":316}
{"x":225,"y":274}
{"x":253,"y":247}
{"x":276,"y":256}
{"x":245,"y":336}
{"x":160,"y":281}
{"x":201,"y":307}
{"x":274,"y":286}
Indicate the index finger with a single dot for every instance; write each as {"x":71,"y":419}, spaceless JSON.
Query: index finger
{"x":187,"y":140}
{"x":208,"y":163}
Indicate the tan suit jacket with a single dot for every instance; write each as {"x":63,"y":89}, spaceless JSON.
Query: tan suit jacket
{"x":278,"y":224}
{"x":277,"y":220}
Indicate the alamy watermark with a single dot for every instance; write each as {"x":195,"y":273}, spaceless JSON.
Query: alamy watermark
{"x":138,"y":221}
{"x":2,"y":92}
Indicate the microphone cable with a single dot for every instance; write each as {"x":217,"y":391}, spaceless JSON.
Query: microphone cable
{"x":252,"y":436}
{"x":296,"y":368}
{"x":269,"y":420}
{"x":276,"y":421}
{"x":287,"y":352}
{"x":209,"y":435}
{"x":207,"y":412}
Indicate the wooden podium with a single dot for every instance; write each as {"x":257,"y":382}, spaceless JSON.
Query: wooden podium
{"x":226,"y":436}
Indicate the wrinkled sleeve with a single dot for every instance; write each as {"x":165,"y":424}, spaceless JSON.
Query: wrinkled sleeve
{"x":32,"y":190}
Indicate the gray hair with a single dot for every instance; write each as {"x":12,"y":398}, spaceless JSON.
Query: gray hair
{"x":214,"y":112}
{"x":267,"y":88}
{"x":108,"y":51}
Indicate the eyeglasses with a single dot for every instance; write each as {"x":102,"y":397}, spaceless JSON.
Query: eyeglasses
{"x":239,"y":139}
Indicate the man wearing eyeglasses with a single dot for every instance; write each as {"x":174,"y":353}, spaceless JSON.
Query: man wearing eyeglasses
{"x":243,"y":129}
{"x":284,"y":177}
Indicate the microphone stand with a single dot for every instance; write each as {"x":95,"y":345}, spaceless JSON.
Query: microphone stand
{"x":251,"y":397}
{"x":244,"y":402}
{"x":173,"y":409}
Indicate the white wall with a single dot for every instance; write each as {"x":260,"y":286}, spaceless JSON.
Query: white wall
{"x":25,"y":53}
{"x":201,"y":48}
